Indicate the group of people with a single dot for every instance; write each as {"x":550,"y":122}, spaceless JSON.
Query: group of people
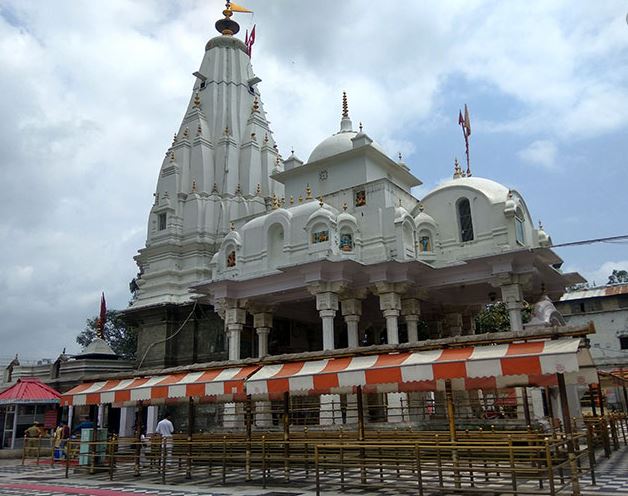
{"x":59,"y":434}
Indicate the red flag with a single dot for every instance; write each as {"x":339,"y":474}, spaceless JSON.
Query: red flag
{"x":103,"y":316}
{"x":460,"y":119}
{"x":250,"y":39}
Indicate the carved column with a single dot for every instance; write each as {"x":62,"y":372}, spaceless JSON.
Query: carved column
{"x":235,"y":319}
{"x":327,"y":306}
{"x":454,"y":323}
{"x":513,"y":298}
{"x":263,"y":323}
{"x":390,"y":305}
{"x":411,"y":310}
{"x":351,"y":311}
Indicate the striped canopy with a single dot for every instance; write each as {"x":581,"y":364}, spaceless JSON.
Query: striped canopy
{"x":479,"y":367}
{"x":220,"y":384}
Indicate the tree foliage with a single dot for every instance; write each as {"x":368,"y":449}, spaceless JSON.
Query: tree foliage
{"x":494,"y":318}
{"x":618,"y":276}
{"x":122,"y":339}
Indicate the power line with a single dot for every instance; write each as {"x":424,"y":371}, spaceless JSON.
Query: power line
{"x":610,"y":239}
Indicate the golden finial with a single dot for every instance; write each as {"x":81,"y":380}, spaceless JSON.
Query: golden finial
{"x":172,"y":157}
{"x":275,"y":146}
{"x":226,"y":130}
{"x":283,"y":201}
{"x":197,"y":100}
{"x":360,"y":127}
{"x":540,"y":225}
{"x":258,"y":191}
{"x":253,"y":137}
{"x":344,"y":206}
{"x":275,"y":202}
{"x":199,"y":130}
{"x":320,"y":201}
{"x":400,"y":157}
{"x":291,"y":199}
{"x":300,"y":199}
{"x":238,"y":190}
{"x":265,"y":137}
{"x":232,"y":226}
{"x":345,"y":105}
{"x":308,"y":192}
{"x":186,"y":132}
{"x":457,"y":171}
{"x":215,"y":188}
{"x":174,"y":139}
{"x":194,"y":186}
{"x":421,"y":207}
{"x":255,"y":105}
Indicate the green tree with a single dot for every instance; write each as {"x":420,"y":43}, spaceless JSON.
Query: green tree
{"x":122,"y":339}
{"x":618,"y":276}
{"x":494,"y":318}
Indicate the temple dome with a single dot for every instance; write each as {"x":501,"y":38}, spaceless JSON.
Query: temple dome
{"x":495,"y":192}
{"x":335,"y":144}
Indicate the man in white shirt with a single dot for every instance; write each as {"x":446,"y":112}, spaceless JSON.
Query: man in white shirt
{"x":165,"y":429}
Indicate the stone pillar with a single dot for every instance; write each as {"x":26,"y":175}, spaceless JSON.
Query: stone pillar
{"x":351,"y":311}
{"x":127,"y":421}
{"x":70,"y":417}
{"x":454,"y":323}
{"x":151,"y":418}
{"x":390,"y":305}
{"x":263,"y":323}
{"x":100,"y":416}
{"x":327,"y":306}
{"x":235,"y":319}
{"x":411,"y":310}
{"x":513,"y":298}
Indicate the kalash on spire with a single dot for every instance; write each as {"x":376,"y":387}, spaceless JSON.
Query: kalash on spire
{"x":215,"y":172}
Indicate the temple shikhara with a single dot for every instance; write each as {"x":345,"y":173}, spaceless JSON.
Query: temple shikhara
{"x":281,"y":295}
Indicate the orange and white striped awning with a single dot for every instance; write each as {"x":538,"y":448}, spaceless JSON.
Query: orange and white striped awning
{"x":474,"y":367}
{"x":221,"y":384}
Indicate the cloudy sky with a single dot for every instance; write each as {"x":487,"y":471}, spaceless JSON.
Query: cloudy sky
{"x":92,"y":91}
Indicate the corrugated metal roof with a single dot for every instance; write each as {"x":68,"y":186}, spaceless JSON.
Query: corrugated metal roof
{"x":29,"y":390}
{"x":581,"y":294}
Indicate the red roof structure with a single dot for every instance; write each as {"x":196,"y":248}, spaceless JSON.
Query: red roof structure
{"x":29,"y":390}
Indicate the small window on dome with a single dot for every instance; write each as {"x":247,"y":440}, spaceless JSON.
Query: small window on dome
{"x":320,"y":236}
{"x":360,"y":198}
{"x":519,"y":231}
{"x":346,"y":242}
{"x":231,"y":259}
{"x":465,"y":220}
{"x":162,"y":221}
{"x":425,"y":243}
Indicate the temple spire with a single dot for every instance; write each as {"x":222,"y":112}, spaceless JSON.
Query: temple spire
{"x":345,"y":124}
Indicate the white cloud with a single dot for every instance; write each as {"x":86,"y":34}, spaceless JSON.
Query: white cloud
{"x":541,"y":153}
{"x":91,"y":93}
{"x":598,"y":274}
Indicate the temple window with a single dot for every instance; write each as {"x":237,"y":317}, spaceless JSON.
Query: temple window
{"x":162,"y":221}
{"x":231,"y":259}
{"x":320,"y":236}
{"x":346,"y":242}
{"x":464,"y":219}
{"x":519,"y":231}
{"x":360,"y":198}
{"x":425,"y":242}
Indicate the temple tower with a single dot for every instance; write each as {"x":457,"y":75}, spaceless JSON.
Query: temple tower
{"x":215,"y":175}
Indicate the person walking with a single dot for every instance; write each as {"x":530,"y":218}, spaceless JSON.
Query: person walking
{"x":165,"y":429}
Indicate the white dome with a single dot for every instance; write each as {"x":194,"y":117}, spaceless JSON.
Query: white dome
{"x":335,"y":144}
{"x":495,"y":192}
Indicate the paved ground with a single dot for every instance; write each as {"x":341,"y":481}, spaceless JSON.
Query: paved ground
{"x":33,"y":480}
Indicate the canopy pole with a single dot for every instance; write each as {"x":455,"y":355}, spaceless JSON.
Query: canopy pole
{"x":360,"y":407}
{"x":623,"y":385}
{"x":191,"y":429}
{"x":526,"y":406}
{"x":286,"y":432}
{"x":138,"y":436}
{"x":450,"y":410}
{"x":564,"y":406}
{"x":600,"y":395}
{"x":550,"y":407}
{"x":248,"y":422}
